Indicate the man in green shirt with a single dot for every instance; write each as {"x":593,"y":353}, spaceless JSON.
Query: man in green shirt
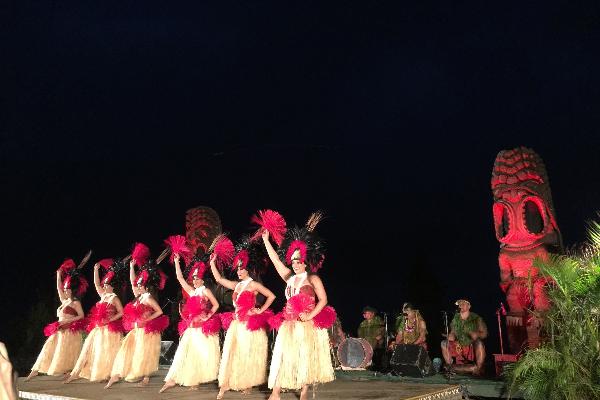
{"x":373,"y":331}
{"x":465,"y":340}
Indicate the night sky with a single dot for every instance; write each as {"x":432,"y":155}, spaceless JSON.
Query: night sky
{"x":116,"y":117}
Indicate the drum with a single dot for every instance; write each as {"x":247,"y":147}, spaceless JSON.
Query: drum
{"x":354,"y":353}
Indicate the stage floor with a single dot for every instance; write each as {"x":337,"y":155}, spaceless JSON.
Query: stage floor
{"x":346,"y":387}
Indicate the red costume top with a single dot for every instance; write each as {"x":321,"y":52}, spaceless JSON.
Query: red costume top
{"x":244,"y":301}
{"x":101,"y":313}
{"x":194,"y":313}
{"x":135,"y":314}
{"x":65,"y":310}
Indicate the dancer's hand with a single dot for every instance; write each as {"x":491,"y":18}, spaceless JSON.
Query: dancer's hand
{"x":304,"y":316}
{"x":212,"y":258}
{"x":265,"y":234}
{"x":96,"y":266}
{"x":176,"y":257}
{"x":474,"y":335}
{"x":131,"y":263}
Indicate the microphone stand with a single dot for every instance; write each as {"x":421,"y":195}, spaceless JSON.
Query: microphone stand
{"x":385,"y":324}
{"x":445,"y":316}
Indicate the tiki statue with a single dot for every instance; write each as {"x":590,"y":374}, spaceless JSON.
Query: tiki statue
{"x":526,"y":228}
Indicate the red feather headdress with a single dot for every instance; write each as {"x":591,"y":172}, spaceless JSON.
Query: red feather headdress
{"x":198,"y":270}
{"x":241,"y":260}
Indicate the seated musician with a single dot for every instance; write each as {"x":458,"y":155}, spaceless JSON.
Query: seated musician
{"x":411,"y":327}
{"x":373,"y":331}
{"x":465,"y":340}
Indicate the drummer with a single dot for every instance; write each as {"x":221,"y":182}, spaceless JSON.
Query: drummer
{"x":373,"y":331}
{"x":411,"y":327}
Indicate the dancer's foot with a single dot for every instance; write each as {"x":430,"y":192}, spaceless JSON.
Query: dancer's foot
{"x":31,"y":375}
{"x":247,"y":391}
{"x":112,"y":381}
{"x":145,"y":381}
{"x":167,"y":385}
{"x":274,"y":397}
{"x":304,"y":393}
{"x":222,"y":393}
{"x":70,"y":379}
{"x":195,"y":387}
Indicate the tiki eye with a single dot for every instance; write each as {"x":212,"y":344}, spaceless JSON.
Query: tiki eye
{"x":502,"y":220}
{"x":533,"y":217}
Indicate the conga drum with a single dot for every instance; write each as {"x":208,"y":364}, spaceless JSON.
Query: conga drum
{"x":354,"y":353}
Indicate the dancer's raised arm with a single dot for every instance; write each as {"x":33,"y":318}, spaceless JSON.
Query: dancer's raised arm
{"x":59,"y":286}
{"x":282,"y":270}
{"x":97,"y":284}
{"x":134,"y":288}
{"x":184,"y":285}
{"x":217,"y":275}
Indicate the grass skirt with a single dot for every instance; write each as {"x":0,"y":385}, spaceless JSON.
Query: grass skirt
{"x":138,"y":355}
{"x":244,"y":359}
{"x":99,"y":351}
{"x":301,"y":356}
{"x":59,"y":353}
{"x":196,"y":360}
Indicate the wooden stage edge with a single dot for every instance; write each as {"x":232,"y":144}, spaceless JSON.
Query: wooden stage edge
{"x":51,"y":388}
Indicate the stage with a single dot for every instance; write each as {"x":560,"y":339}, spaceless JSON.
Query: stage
{"x":348,"y":385}
{"x":44,"y":387}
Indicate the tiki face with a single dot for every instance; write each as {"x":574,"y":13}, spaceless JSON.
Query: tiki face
{"x":523,"y":212}
{"x":522,"y":219}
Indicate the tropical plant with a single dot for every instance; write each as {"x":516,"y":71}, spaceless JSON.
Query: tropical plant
{"x":566,"y":366}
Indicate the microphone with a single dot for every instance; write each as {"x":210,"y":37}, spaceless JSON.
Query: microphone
{"x":502,"y":309}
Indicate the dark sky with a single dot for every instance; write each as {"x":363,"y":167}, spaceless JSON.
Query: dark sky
{"x":116,"y":117}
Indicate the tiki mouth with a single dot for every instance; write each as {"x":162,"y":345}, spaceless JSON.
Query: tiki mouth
{"x":509,"y":247}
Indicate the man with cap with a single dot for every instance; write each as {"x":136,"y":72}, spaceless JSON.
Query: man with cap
{"x":373,"y":331}
{"x":465,"y":340}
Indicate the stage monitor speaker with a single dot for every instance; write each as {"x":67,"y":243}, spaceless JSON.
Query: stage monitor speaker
{"x":167,"y":352}
{"x":410,"y":360}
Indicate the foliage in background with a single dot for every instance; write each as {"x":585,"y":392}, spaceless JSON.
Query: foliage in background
{"x":567,"y":364}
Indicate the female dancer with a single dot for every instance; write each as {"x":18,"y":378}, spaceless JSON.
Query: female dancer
{"x":244,"y":358}
{"x":104,"y":327}
{"x":63,"y":345}
{"x":301,"y":355}
{"x":139,"y":353}
{"x":196,"y":360}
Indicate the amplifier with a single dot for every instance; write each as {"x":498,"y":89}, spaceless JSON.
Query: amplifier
{"x":410,"y":360}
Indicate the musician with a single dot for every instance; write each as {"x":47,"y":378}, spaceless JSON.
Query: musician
{"x":411,"y":327}
{"x":465,"y":340}
{"x":372,"y":330}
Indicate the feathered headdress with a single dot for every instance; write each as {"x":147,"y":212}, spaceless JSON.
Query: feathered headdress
{"x":197,"y":270}
{"x":250,"y":255}
{"x":72,"y":278}
{"x":272,"y":221}
{"x":304,"y":245}
{"x":116,"y":271}
{"x":151,"y":276}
